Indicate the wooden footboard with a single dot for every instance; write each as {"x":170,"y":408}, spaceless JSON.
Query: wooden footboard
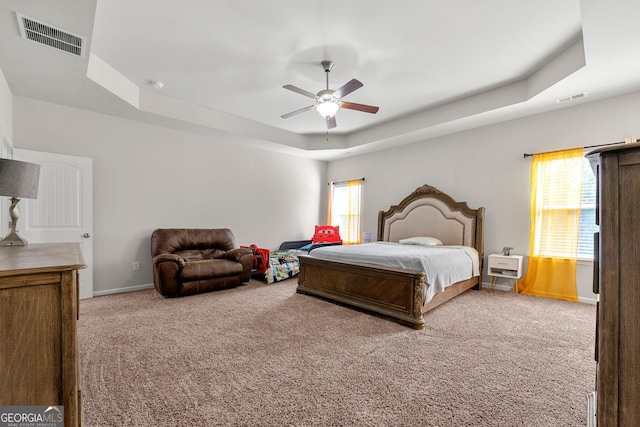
{"x":394,"y":293}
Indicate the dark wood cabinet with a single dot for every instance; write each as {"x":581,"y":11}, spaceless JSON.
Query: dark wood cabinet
{"x":38,"y":327}
{"x":618,"y":283}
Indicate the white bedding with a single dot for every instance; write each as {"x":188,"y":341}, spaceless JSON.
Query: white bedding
{"x":443,"y":265}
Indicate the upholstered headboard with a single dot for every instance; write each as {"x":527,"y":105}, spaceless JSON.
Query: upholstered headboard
{"x":430,"y":212}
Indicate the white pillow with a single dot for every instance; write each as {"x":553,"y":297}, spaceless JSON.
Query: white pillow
{"x":422,"y":241}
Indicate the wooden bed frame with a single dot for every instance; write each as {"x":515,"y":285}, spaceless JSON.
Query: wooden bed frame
{"x":394,"y":293}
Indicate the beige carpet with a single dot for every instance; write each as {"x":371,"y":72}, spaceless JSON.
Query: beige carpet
{"x":263,"y":355}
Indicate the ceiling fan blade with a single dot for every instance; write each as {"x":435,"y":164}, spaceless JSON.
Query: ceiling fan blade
{"x":300,"y":91}
{"x":359,"y":107}
{"x":331,"y":122}
{"x":294,"y":113}
{"x":348,"y":88}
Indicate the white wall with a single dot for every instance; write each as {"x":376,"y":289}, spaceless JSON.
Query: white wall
{"x":147,"y":177}
{"x":6,"y":107}
{"x":485,"y":167}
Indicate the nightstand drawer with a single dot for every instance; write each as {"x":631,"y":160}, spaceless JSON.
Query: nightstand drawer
{"x":503,"y":263}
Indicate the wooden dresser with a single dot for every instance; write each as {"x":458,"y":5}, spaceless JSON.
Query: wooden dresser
{"x":618,"y":284}
{"x":38,"y":327}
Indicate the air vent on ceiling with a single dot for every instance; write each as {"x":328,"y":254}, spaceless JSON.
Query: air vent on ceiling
{"x":571,"y":97}
{"x":49,"y":35}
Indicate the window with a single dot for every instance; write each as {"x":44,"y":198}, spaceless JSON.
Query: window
{"x":559,"y":210}
{"x":344,"y":209}
{"x":587,"y":212}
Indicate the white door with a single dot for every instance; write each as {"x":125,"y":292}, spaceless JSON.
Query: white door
{"x":63,"y":211}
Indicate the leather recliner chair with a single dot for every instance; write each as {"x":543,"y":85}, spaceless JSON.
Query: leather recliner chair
{"x":189,"y":261}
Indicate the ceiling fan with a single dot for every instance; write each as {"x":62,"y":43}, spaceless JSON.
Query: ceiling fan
{"x":328,"y":101}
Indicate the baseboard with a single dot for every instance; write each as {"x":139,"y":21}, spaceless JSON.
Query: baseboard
{"x":121,"y":290}
{"x":498,"y":286}
{"x":584,"y":300}
{"x":507,"y":288}
{"x":592,"y":400}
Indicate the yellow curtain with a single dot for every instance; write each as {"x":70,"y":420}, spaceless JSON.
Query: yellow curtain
{"x":556,"y":191}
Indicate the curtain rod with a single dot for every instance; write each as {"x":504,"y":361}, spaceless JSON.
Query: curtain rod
{"x":626,"y":141}
{"x":342,"y":182}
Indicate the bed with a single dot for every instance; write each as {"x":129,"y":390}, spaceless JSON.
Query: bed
{"x":400,"y":294}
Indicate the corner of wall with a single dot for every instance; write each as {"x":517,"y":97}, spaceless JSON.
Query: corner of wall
{"x":6,"y":107}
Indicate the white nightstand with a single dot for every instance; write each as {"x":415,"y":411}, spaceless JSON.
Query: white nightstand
{"x":509,"y":266}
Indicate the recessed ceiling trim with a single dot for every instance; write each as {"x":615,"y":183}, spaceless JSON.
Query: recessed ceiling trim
{"x":57,"y":38}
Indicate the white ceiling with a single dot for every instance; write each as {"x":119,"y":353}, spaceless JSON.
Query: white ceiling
{"x":433,"y":67}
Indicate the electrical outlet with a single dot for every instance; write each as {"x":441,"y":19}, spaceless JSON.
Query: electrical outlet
{"x":136,"y":266}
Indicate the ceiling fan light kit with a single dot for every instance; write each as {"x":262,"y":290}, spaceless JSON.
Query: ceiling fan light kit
{"x":327,"y":108}
{"x":328,"y":101}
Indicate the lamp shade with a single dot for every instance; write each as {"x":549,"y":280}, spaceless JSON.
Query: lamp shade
{"x":19,"y":179}
{"x":327,"y":108}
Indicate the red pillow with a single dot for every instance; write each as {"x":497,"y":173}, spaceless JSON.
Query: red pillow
{"x":326,"y":233}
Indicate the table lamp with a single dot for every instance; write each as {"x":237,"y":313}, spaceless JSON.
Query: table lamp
{"x":17,"y":180}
